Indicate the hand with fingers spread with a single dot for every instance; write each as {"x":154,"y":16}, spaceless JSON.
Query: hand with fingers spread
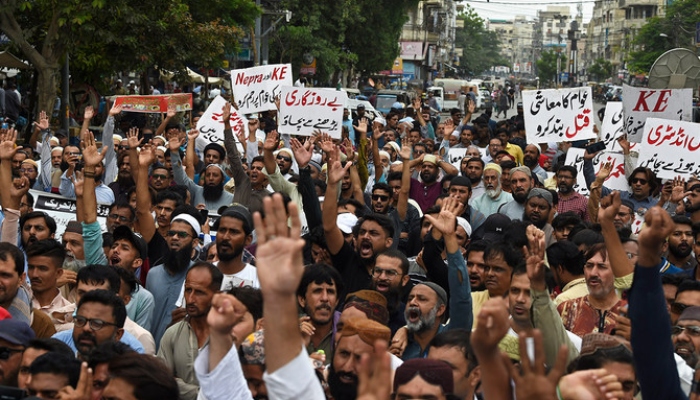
{"x":534,"y":257}
{"x":417,"y":104}
{"x":91,"y":156}
{"x":88,"y":113}
{"x":171,"y":111}
{"x":8,"y":146}
{"x":605,"y":171}
{"x":375,"y":374}
{"x":83,"y":390}
{"x":471,"y":106}
{"x":326,"y":143}
{"x":377,"y":132}
{"x":592,"y":384}
{"x":405,"y":152}
{"x":271,"y":141}
{"x":115,"y":110}
{"x":43,"y":123}
{"x":132,"y":138}
{"x":361,"y":126}
{"x":301,"y":154}
{"x":678,"y":192}
{"x":336,"y":171}
{"x":147,"y":156}
{"x":226,"y":115}
{"x":174,"y":141}
{"x":446,"y":221}
{"x":531,"y":382}
{"x":449,"y":127}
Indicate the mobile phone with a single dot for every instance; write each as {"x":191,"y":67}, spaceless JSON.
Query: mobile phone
{"x":205,"y":213}
{"x":595,"y":147}
{"x":11,"y":393}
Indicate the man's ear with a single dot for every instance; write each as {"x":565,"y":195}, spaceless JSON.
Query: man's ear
{"x":118,"y":334}
{"x":474,"y":377}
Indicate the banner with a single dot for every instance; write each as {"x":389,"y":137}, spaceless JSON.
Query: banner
{"x":63,"y":209}
{"x":613,"y":126}
{"x":642,"y":103}
{"x":670,"y":148}
{"x":256,"y":88}
{"x":155,"y":103}
{"x":303,"y":111}
{"x":211,"y":125}
{"x":558,"y":115}
{"x":616,"y":180}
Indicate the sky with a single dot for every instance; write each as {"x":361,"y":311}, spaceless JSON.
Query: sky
{"x":508,"y":9}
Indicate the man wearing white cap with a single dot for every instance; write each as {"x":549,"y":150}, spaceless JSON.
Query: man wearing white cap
{"x":426,"y":192}
{"x":493,"y":196}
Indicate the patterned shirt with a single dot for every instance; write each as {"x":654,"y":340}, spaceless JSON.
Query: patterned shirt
{"x":576,"y":203}
{"x":581,"y":318}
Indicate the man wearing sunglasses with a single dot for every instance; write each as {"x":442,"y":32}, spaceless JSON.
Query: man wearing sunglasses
{"x":14,"y":338}
{"x":685,"y":335}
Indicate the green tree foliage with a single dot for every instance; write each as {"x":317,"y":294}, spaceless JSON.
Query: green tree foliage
{"x":547,"y":67}
{"x":480,"y":46}
{"x":678,"y":26}
{"x":362,"y":35}
{"x":601,"y":69}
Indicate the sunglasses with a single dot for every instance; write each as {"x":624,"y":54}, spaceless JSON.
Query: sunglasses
{"x":159,"y":176}
{"x":121,"y":218}
{"x":380,"y":197}
{"x":180,"y":234}
{"x":678,"y":308}
{"x":6,"y":352}
{"x":285,"y":159}
{"x":692,"y":330}
{"x":639,"y":180}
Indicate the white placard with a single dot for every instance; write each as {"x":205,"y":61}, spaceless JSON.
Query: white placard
{"x":256,"y":88}
{"x":616,"y":180}
{"x":670,"y":148}
{"x":642,"y":103}
{"x":305,"y":110}
{"x":613,"y":126}
{"x":558,"y":115}
{"x":62,"y":210}
{"x":211,"y":125}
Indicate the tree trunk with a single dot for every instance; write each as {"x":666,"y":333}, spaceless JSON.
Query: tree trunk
{"x":47,"y":81}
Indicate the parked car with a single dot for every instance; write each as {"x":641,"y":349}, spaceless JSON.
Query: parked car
{"x":370,"y":111}
{"x":487,"y":101}
{"x":386,"y":98}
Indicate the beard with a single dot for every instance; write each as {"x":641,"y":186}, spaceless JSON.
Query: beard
{"x":228,"y":256}
{"x":565,"y":188}
{"x":178,"y":260}
{"x":690,"y":357}
{"x":681,"y":250}
{"x":530,"y":162}
{"x":428,"y":177}
{"x":212,"y":192}
{"x":539,"y":224}
{"x":393,"y":296}
{"x":125,"y":180}
{"x":73,"y":264}
{"x":339,"y":389}
{"x":493,"y":193}
{"x":520,"y":197}
{"x":424,"y":322}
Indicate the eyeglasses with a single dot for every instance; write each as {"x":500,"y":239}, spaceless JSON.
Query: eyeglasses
{"x":678,"y":308}
{"x":27,"y":170}
{"x":95,"y":324}
{"x":123,"y":147}
{"x":639,"y":180}
{"x":381,"y":197}
{"x":285,"y":159}
{"x":180,"y":234}
{"x":121,"y":218}
{"x":692,"y":330}
{"x":418,"y":152}
{"x":631,"y":255}
{"x":159,"y":176}
{"x":6,"y":352}
{"x":390,"y":273}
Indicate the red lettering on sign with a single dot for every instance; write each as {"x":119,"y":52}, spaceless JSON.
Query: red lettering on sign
{"x":662,"y":101}
{"x":642,"y":100}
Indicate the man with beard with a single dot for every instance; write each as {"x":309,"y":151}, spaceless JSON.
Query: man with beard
{"x":36,"y":226}
{"x":120,"y":214}
{"x":473,"y":168}
{"x":373,"y":234}
{"x":685,"y":335}
{"x":412,"y":220}
{"x":596,"y":311}
{"x":317,"y":296}
{"x":285,"y":159}
{"x":681,"y":242}
{"x":427,"y":302}
{"x":476,"y":265}
{"x":159,"y":178}
{"x":104,"y":194}
{"x":99,"y":318}
{"x":569,"y":199}
{"x":45,"y":267}
{"x":258,"y":179}
{"x":165,"y":280}
{"x":390,"y":277}
{"x":493,"y":196}
{"x":381,"y":204}
{"x":234,"y":231}
{"x":521,"y":182}
{"x":531,"y":160}
{"x":460,"y":189}
{"x":212,"y":193}
{"x":30,"y":169}
{"x":537,"y":209}
{"x":355,"y":339}
{"x":125,"y":180}
{"x":426,"y":191}
{"x":181,"y":342}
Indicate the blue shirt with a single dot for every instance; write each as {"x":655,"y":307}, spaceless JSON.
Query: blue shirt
{"x":127,"y":338}
{"x":165,"y":289}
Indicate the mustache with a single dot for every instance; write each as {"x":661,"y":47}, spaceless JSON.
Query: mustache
{"x":88,"y":337}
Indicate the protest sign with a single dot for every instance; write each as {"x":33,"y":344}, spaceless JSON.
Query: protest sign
{"x":455,"y":156}
{"x":155,"y":103}
{"x":62,"y":210}
{"x":669,"y":148}
{"x":642,"y":103}
{"x":211,"y":125}
{"x":616,"y":180}
{"x":558,"y":115}
{"x":255,"y":89}
{"x":305,"y":110}
{"x":613,"y":126}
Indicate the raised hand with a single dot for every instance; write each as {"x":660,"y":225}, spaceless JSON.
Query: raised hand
{"x":336,"y":171}
{"x":534,"y":257}
{"x":301,"y":154}
{"x":592,"y":384}
{"x":377,"y":132}
{"x":226,"y":114}
{"x":192,"y":135}
{"x":361,"y":126}
{"x":115,"y":110}
{"x":471,"y":106}
{"x":83,"y":390}
{"x":241,"y":132}
{"x":147,"y":155}
{"x":491,"y":326}
{"x":8,"y":146}
{"x":78,"y":183}
{"x":678,"y":192}
{"x":375,"y":374}
{"x":279,"y":255}
{"x":253,"y":125}
{"x":19,"y":188}
{"x":658,"y":226}
{"x":91,"y":156}
{"x":531,"y":382}
{"x":132,"y":138}
{"x":170,"y":112}
{"x":226,"y":311}
{"x":349,"y":150}
{"x":405,"y":152}
{"x":271,"y":141}
{"x":43,"y":123}
{"x":609,"y":207}
{"x":174,"y":141}
{"x":88,"y":113}
{"x":605,"y":171}
{"x":326,"y":143}
{"x":417,"y":104}
{"x":307,"y":329}
{"x":446,"y":221}
{"x":624,"y":143}
{"x":449,"y":127}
